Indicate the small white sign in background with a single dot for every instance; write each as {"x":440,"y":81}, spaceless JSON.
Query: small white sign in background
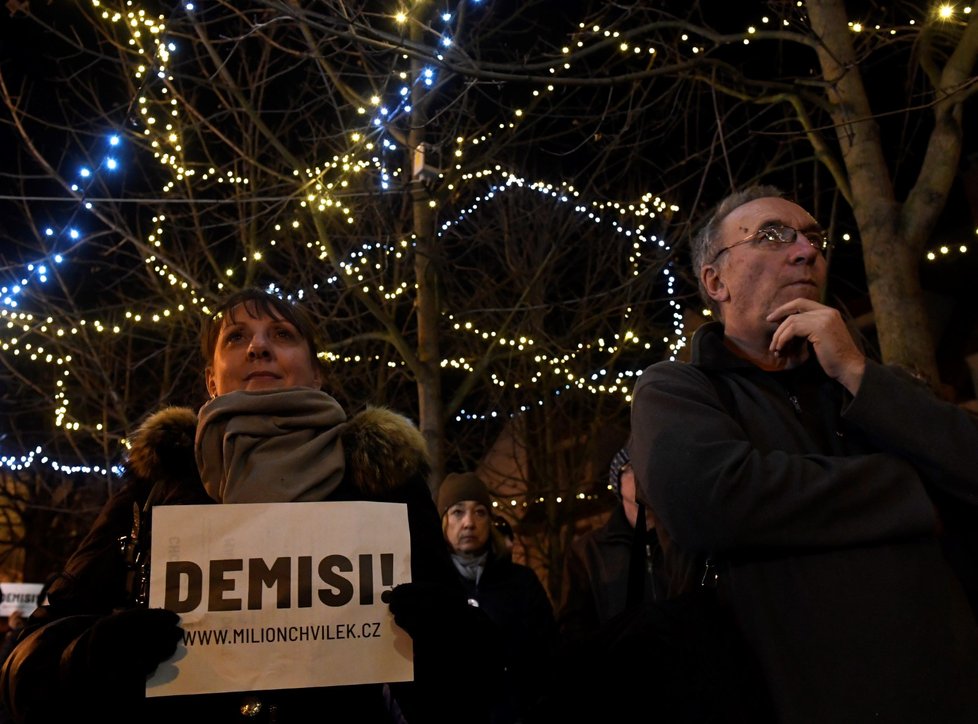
{"x":19,"y":597}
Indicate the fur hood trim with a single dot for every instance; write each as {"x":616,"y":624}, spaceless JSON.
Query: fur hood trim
{"x":163,"y":445}
{"x":383,"y":449}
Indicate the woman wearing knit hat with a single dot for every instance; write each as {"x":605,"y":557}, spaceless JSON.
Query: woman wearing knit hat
{"x":468,"y":528}
{"x":509,"y":593}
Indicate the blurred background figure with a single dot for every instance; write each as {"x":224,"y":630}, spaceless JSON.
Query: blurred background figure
{"x":506,"y":530}
{"x":510,"y":594}
{"x":615,"y":567}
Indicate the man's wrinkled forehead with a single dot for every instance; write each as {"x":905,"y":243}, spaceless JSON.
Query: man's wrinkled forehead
{"x":750,"y":217}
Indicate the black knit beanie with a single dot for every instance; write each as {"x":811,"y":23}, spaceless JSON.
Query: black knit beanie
{"x":457,"y":487}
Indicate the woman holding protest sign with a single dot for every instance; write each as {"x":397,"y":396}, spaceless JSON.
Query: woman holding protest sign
{"x":268,"y":434}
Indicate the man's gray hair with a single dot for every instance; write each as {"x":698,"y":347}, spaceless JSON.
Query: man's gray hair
{"x":705,"y":240}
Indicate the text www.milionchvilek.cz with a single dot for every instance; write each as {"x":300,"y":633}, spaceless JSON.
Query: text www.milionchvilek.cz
{"x":280,"y":634}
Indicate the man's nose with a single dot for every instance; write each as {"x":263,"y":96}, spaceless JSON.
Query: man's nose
{"x":803,"y":251}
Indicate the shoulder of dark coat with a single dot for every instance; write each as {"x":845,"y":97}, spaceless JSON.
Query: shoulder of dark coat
{"x":616,"y":530}
{"x":519,"y":573}
{"x":580,"y":544}
{"x":384,"y":450}
{"x":668,"y":372}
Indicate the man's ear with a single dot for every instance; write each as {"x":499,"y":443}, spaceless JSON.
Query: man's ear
{"x":713,"y":283}
{"x":210,"y":382}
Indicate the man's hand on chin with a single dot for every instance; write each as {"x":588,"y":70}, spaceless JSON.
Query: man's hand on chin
{"x":803,"y":320}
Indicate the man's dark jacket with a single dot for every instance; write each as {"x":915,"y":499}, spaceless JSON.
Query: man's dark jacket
{"x":819,"y":508}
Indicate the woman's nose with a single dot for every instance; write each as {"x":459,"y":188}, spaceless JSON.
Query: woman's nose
{"x":258,"y":347}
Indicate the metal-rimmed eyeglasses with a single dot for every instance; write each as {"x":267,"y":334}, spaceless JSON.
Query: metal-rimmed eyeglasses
{"x":777,"y":236}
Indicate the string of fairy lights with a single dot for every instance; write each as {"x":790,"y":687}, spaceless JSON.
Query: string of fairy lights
{"x":168,"y":151}
{"x":563,"y":367}
{"x":325,"y":188}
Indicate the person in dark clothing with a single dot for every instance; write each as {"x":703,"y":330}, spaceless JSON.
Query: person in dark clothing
{"x":510,"y":595}
{"x":808,"y":474}
{"x":94,"y":642}
{"x":616,"y":566}
{"x":634,"y":616}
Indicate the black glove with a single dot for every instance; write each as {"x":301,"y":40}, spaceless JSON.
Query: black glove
{"x":440,"y":620}
{"x":113,"y":658}
{"x":427,"y":609}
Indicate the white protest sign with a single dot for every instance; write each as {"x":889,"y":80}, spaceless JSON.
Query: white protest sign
{"x":280,"y":595}
{"x":19,"y":597}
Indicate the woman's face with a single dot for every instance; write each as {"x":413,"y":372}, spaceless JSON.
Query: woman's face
{"x":467,"y":527}
{"x":259,"y":353}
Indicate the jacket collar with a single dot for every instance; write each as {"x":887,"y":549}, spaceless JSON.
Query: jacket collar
{"x":710,"y":353}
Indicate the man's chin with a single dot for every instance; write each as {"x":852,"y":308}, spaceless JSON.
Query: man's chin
{"x":803,"y":290}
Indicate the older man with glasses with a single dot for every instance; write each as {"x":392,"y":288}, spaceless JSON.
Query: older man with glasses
{"x":811,"y":478}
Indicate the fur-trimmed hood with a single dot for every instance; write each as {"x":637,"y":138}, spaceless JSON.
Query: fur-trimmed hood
{"x":382,"y":449}
{"x":163,"y":445}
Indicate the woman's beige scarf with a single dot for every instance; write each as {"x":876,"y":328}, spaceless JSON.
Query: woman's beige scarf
{"x":273,"y":446}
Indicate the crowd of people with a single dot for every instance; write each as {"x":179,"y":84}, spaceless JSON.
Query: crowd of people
{"x":784,"y":548}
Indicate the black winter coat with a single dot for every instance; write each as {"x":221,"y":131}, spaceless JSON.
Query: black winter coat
{"x":385,"y":461}
{"x":515,"y":601}
{"x":594,"y":588}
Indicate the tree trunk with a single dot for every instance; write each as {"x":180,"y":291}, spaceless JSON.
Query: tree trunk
{"x":890,"y":260}
{"x":431,"y":417}
{"x":902,"y":323}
